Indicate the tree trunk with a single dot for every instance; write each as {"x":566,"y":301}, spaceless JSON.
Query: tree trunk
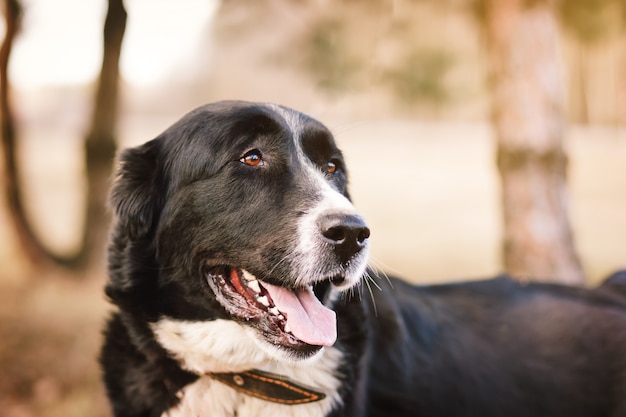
{"x":528,"y":111}
{"x":31,"y":245}
{"x":100,"y":144}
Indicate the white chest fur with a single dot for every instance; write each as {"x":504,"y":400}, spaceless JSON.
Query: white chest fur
{"x":225,"y":346}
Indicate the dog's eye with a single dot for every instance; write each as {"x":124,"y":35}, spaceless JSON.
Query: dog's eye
{"x":331,"y":167}
{"x":253,"y":158}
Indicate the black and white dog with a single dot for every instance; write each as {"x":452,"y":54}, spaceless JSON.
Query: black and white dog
{"x":235,"y":263}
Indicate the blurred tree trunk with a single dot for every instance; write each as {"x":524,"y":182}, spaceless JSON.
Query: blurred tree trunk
{"x":528,"y":113}
{"x":32,"y":247}
{"x":99,"y":145}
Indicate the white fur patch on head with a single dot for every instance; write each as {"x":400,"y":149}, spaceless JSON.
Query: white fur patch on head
{"x":225,"y":346}
{"x":291,"y":117}
{"x":310,"y":247}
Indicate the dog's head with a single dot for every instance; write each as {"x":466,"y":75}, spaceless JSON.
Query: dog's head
{"x":239,"y":211}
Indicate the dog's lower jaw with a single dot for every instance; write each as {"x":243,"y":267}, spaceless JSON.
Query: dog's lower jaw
{"x":201,"y":348}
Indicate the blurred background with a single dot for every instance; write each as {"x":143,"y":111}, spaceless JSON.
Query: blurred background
{"x":410,"y":88}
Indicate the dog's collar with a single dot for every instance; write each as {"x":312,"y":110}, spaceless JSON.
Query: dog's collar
{"x":268,"y":387}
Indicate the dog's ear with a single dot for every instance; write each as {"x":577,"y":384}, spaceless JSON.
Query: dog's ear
{"x":134,"y":196}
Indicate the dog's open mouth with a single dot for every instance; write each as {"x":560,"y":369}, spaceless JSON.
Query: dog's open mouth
{"x":296,"y":316}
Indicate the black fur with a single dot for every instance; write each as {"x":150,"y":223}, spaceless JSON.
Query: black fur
{"x":492,"y":348}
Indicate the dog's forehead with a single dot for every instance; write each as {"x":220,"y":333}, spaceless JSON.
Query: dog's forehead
{"x":300,"y":125}
{"x":223,"y":123}
{"x":294,"y":120}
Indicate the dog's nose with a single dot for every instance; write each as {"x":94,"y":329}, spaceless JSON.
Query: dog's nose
{"x":347,"y":233}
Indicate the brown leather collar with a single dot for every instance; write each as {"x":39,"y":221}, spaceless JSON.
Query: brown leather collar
{"x":268,"y":387}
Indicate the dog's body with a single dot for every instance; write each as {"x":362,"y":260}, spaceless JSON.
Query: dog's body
{"x":234,"y":261}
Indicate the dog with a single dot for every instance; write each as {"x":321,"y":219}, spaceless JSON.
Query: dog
{"x":237,"y":263}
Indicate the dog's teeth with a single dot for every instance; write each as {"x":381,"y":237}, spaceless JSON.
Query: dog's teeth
{"x":287,"y":329}
{"x":263,"y":300}
{"x":254,"y":286}
{"x":274,"y":311}
{"x":280,"y":316}
{"x":247,"y":275}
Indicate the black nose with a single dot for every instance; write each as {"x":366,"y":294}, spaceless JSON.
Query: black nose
{"x":347,"y":233}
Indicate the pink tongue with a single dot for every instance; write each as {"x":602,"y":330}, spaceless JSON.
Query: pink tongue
{"x":308,"y":319}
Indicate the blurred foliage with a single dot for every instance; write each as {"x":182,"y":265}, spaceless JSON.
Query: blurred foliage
{"x":339,"y":63}
{"x":478,"y":9}
{"x":328,"y":60}
{"x":588,"y":20}
{"x":592,"y":20}
{"x":421,"y":77}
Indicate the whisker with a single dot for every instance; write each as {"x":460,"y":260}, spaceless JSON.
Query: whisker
{"x":367,"y":281}
{"x":380,"y":271}
{"x":369,"y":278}
{"x":355,"y":291}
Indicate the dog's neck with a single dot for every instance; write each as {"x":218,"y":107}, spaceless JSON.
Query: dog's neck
{"x":223,"y":351}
